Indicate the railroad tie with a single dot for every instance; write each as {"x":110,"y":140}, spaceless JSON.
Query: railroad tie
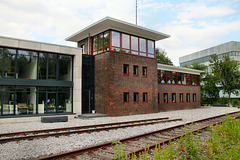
{"x":98,"y":156}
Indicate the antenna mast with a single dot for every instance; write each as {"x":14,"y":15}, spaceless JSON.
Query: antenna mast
{"x":136,"y":12}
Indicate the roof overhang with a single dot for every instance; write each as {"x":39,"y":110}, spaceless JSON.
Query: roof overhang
{"x":115,"y":24}
{"x":178,"y":69}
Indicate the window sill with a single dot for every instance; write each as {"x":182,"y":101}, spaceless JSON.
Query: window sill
{"x":126,"y":74}
{"x":144,"y":76}
{"x":165,"y":102}
{"x":135,"y":75}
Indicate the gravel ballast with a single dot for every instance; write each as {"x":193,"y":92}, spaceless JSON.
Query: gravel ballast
{"x":41,"y":147}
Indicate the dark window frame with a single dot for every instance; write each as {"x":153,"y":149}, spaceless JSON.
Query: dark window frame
{"x":124,"y":96}
{"x":144,"y":68}
{"x":173,"y":97}
{"x":188,"y":97}
{"x":136,"y":97}
{"x":126,"y":65}
{"x":145,"y":97}
{"x":135,"y":73}
{"x":165,"y":100}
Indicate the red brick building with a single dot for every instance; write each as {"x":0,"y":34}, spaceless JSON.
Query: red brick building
{"x":127,"y":78}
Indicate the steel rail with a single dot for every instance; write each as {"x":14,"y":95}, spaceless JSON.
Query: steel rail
{"x":108,"y":144}
{"x":126,"y":124}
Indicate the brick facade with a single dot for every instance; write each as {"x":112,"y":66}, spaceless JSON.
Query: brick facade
{"x":111,"y":83}
{"x":165,"y":88}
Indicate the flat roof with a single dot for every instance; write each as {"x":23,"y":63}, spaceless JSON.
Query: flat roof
{"x":178,"y":69}
{"x":115,"y":24}
{"x":38,"y":46}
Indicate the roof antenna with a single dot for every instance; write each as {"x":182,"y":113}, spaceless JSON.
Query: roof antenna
{"x":136,"y":12}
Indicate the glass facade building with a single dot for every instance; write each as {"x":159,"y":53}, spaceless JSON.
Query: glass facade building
{"x":35,"y":82}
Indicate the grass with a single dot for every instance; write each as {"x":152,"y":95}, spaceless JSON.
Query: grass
{"x":223,"y":143}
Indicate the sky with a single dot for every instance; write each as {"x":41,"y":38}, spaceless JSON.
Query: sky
{"x":193,"y":25}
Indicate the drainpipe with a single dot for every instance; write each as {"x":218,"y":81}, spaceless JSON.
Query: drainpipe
{"x":89,"y":44}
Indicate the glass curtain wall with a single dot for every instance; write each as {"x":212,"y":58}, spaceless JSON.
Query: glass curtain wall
{"x":65,"y":68}
{"x":9,"y":63}
{"x":27,"y":64}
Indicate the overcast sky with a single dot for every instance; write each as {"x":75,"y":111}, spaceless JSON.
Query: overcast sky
{"x":192,"y":24}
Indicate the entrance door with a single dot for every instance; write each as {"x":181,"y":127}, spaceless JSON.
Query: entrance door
{"x":86,"y":107}
{"x":51,"y":102}
{"x":8,"y":104}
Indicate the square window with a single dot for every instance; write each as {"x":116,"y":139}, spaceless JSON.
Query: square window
{"x":173,"y":97}
{"x":135,"y":70}
{"x":181,"y":97}
{"x":194,"y":97}
{"x":126,"y":69}
{"x":145,"y":98}
{"x":165,"y":97}
{"x":144,"y":71}
{"x":126,"y":97}
{"x":136,"y":97}
{"x":188,"y":97}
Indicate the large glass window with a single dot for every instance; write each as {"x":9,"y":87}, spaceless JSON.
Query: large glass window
{"x":106,"y":41}
{"x":95,"y":45}
{"x":27,"y":64}
{"x":115,"y":39}
{"x":8,"y":102}
{"x":177,"y":78}
{"x":52,"y":66}
{"x":65,"y":68}
{"x":150,"y":47}
{"x":125,"y":43}
{"x":134,"y":45}
{"x":100,"y":43}
{"x":25,"y":100}
{"x":142,"y":46}
{"x":1,"y":62}
{"x":42,"y":68}
{"x":64,"y":100}
{"x":9,"y":63}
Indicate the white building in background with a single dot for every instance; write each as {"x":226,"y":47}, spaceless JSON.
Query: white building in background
{"x":231,"y":48}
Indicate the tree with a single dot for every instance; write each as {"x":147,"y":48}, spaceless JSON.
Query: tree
{"x":209,"y":90}
{"x":162,"y":58}
{"x":227,"y":74}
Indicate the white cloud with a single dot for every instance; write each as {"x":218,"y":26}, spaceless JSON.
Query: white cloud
{"x":52,"y":21}
{"x":197,"y":10}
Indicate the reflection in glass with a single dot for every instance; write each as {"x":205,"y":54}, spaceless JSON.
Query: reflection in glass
{"x":26,"y":100}
{"x":134,"y":43}
{"x":8,"y":103}
{"x":100,"y":41}
{"x":150,"y":47}
{"x":95,"y":43}
{"x":65,"y":68}
{"x":125,"y":41}
{"x":42,"y":65}
{"x":115,"y":39}
{"x":64,"y":100}
{"x":1,"y":63}
{"x":106,"y":39}
{"x":142,"y":45}
{"x":27,"y":64}
{"x":52,"y":66}
{"x":9,"y":63}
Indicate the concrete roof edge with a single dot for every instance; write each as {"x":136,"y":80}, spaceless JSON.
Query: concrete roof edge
{"x":178,"y":69}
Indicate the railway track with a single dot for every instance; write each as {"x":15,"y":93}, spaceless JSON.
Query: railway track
{"x":16,"y":136}
{"x":137,"y":144}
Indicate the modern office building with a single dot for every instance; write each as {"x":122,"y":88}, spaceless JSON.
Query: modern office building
{"x":113,"y":71}
{"x":231,"y":48}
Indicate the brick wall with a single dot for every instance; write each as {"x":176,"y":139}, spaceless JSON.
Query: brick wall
{"x":165,"y":88}
{"x":110,"y":83}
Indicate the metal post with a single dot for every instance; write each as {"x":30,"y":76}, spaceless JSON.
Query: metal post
{"x":136,"y":12}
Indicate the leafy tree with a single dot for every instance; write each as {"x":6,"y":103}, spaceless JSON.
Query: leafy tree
{"x":227,"y":74}
{"x":162,"y":58}
{"x":209,"y":90}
